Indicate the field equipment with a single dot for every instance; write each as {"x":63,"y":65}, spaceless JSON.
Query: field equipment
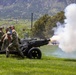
{"x":30,"y":48}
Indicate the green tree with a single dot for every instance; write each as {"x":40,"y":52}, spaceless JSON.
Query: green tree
{"x":43,"y":26}
{"x":59,"y":17}
{"x":39,"y":26}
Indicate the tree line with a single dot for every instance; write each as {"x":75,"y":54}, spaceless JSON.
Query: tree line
{"x":43,"y":26}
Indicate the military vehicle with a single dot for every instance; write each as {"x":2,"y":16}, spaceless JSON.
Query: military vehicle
{"x":30,"y":48}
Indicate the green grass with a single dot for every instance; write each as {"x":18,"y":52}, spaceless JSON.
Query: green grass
{"x":8,"y":22}
{"x":48,"y":65}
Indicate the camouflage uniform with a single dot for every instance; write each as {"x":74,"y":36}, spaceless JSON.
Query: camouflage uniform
{"x":1,"y":34}
{"x":2,"y":39}
{"x":6,"y":43}
{"x":15,"y":43}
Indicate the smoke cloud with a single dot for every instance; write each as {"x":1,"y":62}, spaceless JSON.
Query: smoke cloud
{"x":67,"y":31}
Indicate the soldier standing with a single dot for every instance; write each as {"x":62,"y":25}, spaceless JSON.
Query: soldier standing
{"x":4,"y":35}
{"x":6,"y":43}
{"x":1,"y":33}
{"x":10,"y":29}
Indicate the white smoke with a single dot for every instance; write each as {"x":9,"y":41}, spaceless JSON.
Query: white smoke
{"x":67,"y":32}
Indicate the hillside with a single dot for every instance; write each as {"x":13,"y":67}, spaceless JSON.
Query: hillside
{"x":24,"y":8}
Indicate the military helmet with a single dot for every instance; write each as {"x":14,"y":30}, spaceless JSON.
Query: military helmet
{"x":8,"y":33}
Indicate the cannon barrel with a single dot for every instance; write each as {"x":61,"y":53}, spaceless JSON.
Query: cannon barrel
{"x":38,"y":43}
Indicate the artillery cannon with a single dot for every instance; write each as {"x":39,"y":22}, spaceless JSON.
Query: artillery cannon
{"x":30,"y":48}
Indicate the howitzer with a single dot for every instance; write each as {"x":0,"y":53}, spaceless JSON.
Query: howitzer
{"x":30,"y":48}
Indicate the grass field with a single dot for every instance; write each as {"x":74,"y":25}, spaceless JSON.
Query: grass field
{"x":48,"y":65}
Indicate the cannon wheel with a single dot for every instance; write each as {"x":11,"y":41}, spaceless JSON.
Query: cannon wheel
{"x":34,"y":53}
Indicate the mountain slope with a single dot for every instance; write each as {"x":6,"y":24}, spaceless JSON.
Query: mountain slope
{"x":24,"y":8}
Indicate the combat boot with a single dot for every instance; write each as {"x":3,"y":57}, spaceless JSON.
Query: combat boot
{"x":21,"y":53}
{"x":7,"y":52}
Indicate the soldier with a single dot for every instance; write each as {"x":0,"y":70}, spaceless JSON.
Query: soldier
{"x":10,"y":29}
{"x":13,"y":29}
{"x":15,"y":43}
{"x":7,"y":29}
{"x":1,"y":33}
{"x":6,"y":43}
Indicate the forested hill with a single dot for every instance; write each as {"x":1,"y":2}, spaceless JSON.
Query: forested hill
{"x":24,"y":8}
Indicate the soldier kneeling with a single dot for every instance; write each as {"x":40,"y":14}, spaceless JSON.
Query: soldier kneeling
{"x":15,"y":43}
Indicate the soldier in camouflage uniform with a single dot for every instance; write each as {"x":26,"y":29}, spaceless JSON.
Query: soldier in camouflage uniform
{"x":1,"y":33}
{"x":4,"y":35}
{"x":6,"y":43}
{"x":15,"y":43}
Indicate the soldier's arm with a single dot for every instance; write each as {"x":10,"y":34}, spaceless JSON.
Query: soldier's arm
{"x":3,"y":44}
{"x":3,"y":37}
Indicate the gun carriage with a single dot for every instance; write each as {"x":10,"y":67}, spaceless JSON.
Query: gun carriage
{"x":29,"y":48}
